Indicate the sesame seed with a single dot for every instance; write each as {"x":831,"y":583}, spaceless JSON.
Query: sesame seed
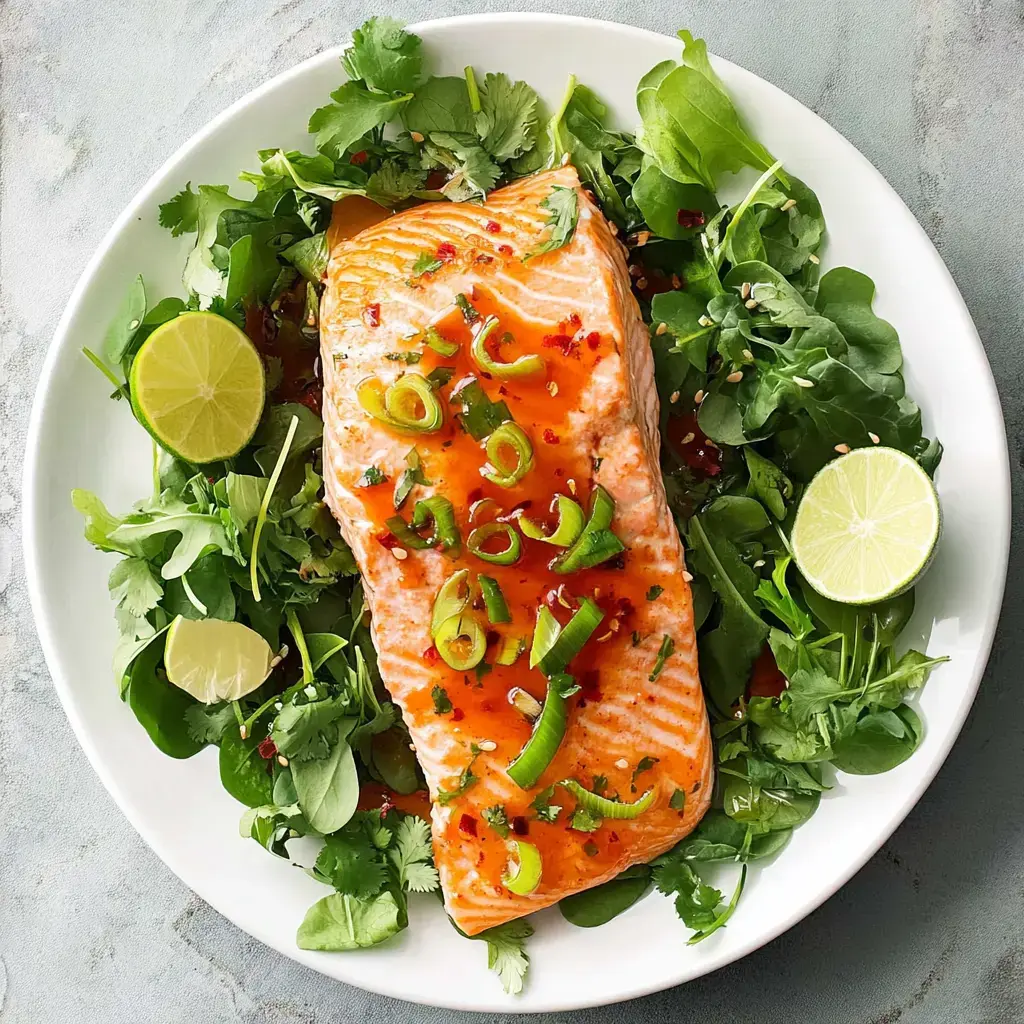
{"x":735,"y":377}
{"x":415,"y":136}
{"x":843,"y":449}
{"x":565,"y":159}
{"x":661,"y":328}
{"x":674,"y":397}
{"x":622,"y":763}
{"x":874,"y":437}
{"x":607,"y":636}
{"x":552,"y":388}
{"x":689,"y":437}
{"x":282,"y":760}
{"x":571,"y":484}
{"x":745,"y":290}
{"x":759,"y":563}
{"x":788,"y":205}
{"x":698,"y":398}
{"x":134,"y":325}
{"x":243,"y":732}
{"x":487,"y":745}
{"x":688,"y":576}
{"x":278,"y":705}
{"x":400,"y":553}
{"x":310,"y":691}
{"x":643,"y":238}
{"x":705,"y":321}
{"x":614,"y":625}
{"x":412,"y":747}
{"x":677,"y":281}
{"x":641,"y":283}
{"x":748,"y":355}
{"x":751,"y":303}
{"x":814,"y":259}
{"x":597,"y":593}
{"x":710,"y":443}
{"x":803,"y":382}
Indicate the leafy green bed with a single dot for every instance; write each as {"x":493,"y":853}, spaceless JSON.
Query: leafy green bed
{"x":765,"y":369}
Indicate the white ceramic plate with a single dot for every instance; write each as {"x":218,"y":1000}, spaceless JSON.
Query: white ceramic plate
{"x":79,"y":438}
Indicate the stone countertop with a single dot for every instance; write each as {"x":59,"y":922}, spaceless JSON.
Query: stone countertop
{"x":94,"y":95}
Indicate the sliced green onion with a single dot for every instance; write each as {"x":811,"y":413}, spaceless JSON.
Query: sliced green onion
{"x":482,"y":534}
{"x":510,"y":649}
{"x":524,"y":868}
{"x":544,"y":636}
{"x":452,"y":599}
{"x":494,"y":600}
{"x":569,"y":642}
{"x":409,"y":405}
{"x":597,"y":543}
{"x":478,"y":415}
{"x":461,"y":641}
{"x":568,"y":529}
{"x":437,"y":511}
{"x":439,"y":343}
{"x":503,"y":471}
{"x":547,"y":735}
{"x":524,"y":366}
{"x":469,"y":312}
{"x":602,"y":807}
{"x":479,"y":508}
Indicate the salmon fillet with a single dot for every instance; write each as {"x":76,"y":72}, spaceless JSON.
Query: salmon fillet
{"x":592,"y":419}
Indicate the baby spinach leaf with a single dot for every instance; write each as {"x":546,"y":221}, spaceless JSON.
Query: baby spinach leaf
{"x":768,"y":483}
{"x":597,"y":906}
{"x":210,"y":583}
{"x":672,"y":209}
{"x":243,"y":772}
{"x":879,"y":741}
{"x":342,"y":922}
{"x":126,"y":322}
{"x":328,"y":789}
{"x":791,"y":236}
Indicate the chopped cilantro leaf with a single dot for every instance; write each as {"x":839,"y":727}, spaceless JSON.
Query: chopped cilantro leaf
{"x":497,"y":818}
{"x":466,"y":779}
{"x":442,"y":705}
{"x":426,"y":263}
{"x":678,"y":800}
{"x":371,"y":477}
{"x":385,"y":56}
{"x":668,"y":646}
{"x":542,"y":806}
{"x":469,"y":312}
{"x":409,"y":358}
{"x":583,"y":821}
{"x":645,"y":764}
{"x":409,"y":477}
{"x":563,"y":204}
{"x":655,"y":592}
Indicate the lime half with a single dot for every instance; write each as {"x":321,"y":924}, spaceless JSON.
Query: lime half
{"x":198,"y":387}
{"x":866,"y":526}
{"x":214,"y":660}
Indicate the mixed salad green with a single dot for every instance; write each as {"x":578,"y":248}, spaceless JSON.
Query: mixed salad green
{"x":765,"y":368}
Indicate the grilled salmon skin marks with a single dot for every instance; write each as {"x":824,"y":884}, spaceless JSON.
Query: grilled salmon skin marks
{"x":592,"y":417}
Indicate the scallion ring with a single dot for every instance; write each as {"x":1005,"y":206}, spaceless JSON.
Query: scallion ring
{"x":524,"y":366}
{"x":452,"y":599}
{"x":568,"y":528}
{"x":494,"y":600}
{"x":597,"y":543}
{"x":437,"y":511}
{"x":505,"y":471}
{"x":461,"y":641}
{"x":509,"y":555}
{"x":570,"y":640}
{"x":602,"y":807}
{"x":510,"y":649}
{"x":547,"y":735}
{"x":524,"y":868}
{"x":409,"y":405}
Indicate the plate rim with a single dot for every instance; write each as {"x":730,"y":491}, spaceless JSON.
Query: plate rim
{"x":47,"y":629}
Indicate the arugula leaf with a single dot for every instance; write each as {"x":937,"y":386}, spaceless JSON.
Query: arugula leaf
{"x":792,"y":236}
{"x":563,"y":203}
{"x":776,"y":597}
{"x":181,"y":212}
{"x":355,"y":112}
{"x":768,"y":482}
{"x":310,"y":257}
{"x":507,"y":119}
{"x":506,"y":953}
{"x":198,"y":533}
{"x":342,"y":922}
{"x":384,"y":55}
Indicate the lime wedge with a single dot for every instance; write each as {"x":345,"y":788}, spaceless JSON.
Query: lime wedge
{"x":866,"y":526}
{"x":214,"y":660}
{"x":198,"y":387}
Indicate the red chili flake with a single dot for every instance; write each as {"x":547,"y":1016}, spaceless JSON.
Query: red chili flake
{"x":431,"y":655}
{"x":446,"y":252}
{"x":625,"y":607}
{"x":435,"y":180}
{"x":386,"y":806}
{"x":458,"y":714}
{"x":613,"y":837}
{"x":267,"y":748}
{"x":502,"y":390}
{"x":467,"y":824}
{"x":492,"y":636}
{"x":475,"y":495}
{"x":574,"y":321}
{"x":486,"y":705}
{"x":594,"y":340}
{"x":765,"y":678}
{"x":590,"y":849}
{"x":590,"y":689}
{"x":550,"y":437}
{"x":360,"y":158}
{"x":505,"y":250}
{"x":690,"y":218}
{"x":371,"y":315}
{"x":558,"y":472}
{"x":691,"y":445}
{"x":567,"y":345}
{"x":493,"y":226}
{"x":387,"y":540}
{"x":520,"y":825}
{"x":484,"y":258}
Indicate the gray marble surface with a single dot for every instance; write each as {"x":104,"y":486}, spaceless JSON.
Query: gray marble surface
{"x":94,"y":94}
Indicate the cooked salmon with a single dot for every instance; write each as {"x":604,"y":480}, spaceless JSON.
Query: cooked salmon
{"x":592,"y":418}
